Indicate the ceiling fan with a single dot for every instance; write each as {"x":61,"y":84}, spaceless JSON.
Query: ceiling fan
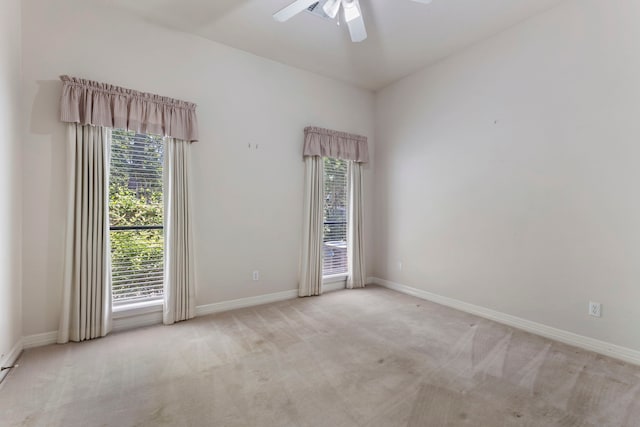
{"x":350,"y":8}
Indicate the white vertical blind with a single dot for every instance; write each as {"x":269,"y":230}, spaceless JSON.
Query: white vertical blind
{"x":136,"y":217}
{"x":334,"y":246}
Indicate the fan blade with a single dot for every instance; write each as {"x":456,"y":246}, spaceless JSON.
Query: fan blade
{"x":357,"y":29}
{"x":293,"y":9}
{"x":354,"y":20}
{"x":331,"y":8}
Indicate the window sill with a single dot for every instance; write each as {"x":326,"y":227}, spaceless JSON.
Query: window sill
{"x":335,"y":278}
{"x":137,"y":308}
{"x":335,"y":282}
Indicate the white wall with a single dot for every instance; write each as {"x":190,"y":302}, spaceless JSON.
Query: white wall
{"x":508,"y":176}
{"x":10,"y":186}
{"x":248,"y":204}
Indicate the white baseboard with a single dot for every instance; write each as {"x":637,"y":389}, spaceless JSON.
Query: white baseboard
{"x":38,"y":340}
{"x":334,"y":286}
{"x":138,"y":320}
{"x":153,"y":315}
{"x":10,"y":358}
{"x":219,"y":307}
{"x":591,"y":344}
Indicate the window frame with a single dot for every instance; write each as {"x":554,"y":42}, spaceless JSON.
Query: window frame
{"x":137,"y":306}
{"x":333,"y":280}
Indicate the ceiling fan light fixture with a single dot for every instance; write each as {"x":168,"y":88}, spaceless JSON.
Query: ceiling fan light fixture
{"x":331,"y":8}
{"x":351,"y":10}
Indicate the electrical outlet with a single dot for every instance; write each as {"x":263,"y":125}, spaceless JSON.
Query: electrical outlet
{"x":256,"y":275}
{"x":595,"y":309}
{"x":399,"y":265}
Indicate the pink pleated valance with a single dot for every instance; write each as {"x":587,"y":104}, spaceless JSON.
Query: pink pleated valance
{"x":331,"y":143}
{"x":101,"y":104}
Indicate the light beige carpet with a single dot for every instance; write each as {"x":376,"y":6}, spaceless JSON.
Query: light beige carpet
{"x":369,"y":357}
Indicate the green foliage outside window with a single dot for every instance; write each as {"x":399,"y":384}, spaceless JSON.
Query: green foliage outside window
{"x":135,"y":199}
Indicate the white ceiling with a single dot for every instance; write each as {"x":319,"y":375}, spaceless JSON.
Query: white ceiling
{"x":404,"y":36}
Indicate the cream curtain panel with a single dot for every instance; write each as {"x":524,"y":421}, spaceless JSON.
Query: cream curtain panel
{"x":179,"y":279}
{"x":311,"y":254}
{"x":319,"y":143}
{"x":86,"y":304}
{"x":100,"y":104}
{"x":355,"y":236}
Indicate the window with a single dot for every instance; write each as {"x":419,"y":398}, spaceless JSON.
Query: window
{"x":334,"y":244}
{"x":136,"y":217}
